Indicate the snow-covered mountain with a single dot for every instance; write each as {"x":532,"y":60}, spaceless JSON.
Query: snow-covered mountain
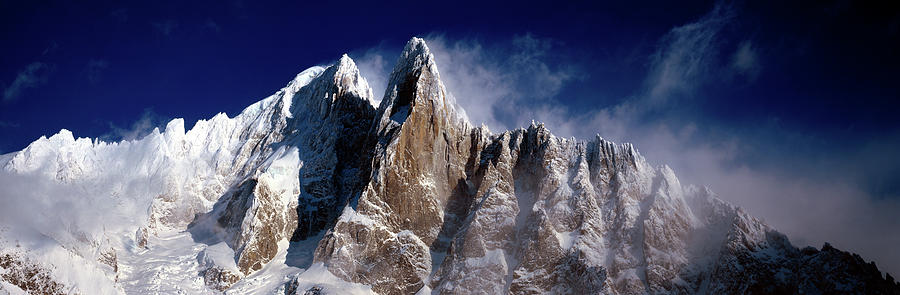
{"x":314,"y":191}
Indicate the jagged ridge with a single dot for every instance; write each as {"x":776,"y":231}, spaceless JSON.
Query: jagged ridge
{"x":455,"y":209}
{"x":410,"y":197}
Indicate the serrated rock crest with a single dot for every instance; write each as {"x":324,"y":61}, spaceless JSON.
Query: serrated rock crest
{"x":409,"y":198}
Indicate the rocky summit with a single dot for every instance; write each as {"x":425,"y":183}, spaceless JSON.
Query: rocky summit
{"x":314,"y":190}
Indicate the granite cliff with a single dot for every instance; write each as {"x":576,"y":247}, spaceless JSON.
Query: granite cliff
{"x":314,"y":190}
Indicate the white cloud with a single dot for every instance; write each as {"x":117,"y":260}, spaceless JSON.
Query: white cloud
{"x":66,"y":214}
{"x":686,"y":54}
{"x":487,"y":81}
{"x":33,"y":75}
{"x":140,"y":128}
{"x":494,"y":83}
{"x":508,"y":87}
{"x":375,"y":65}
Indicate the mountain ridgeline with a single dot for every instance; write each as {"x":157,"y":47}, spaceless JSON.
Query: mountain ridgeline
{"x":410,"y":198}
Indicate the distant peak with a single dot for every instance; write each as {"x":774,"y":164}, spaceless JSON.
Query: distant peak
{"x":348,"y":79}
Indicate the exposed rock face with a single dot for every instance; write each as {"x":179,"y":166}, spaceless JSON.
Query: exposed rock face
{"x":310,"y":166}
{"x":219,"y":279}
{"x":28,"y":276}
{"x":458,"y":210}
{"x":408,"y":198}
{"x":420,"y":157}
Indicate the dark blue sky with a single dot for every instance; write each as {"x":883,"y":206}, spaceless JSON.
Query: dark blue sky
{"x":105,"y":63}
{"x":788,"y":94}
{"x":830,"y":69}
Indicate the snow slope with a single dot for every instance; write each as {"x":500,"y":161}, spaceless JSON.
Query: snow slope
{"x":67,"y":200}
{"x":313,"y":190}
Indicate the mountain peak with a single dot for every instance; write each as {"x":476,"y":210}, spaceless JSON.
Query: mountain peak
{"x":415,"y":59}
{"x":312,"y":190}
{"x":415,"y":54}
{"x":415,"y":81}
{"x":348,"y":79}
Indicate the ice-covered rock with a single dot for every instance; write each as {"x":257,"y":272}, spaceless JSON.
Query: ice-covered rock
{"x":313,"y":191}
{"x":452,"y":209}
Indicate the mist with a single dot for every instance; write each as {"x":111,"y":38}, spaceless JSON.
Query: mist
{"x":765,"y":168}
{"x":52,"y":212}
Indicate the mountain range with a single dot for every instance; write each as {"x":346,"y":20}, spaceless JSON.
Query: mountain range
{"x":317,"y":189}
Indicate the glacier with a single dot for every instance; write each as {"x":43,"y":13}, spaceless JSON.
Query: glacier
{"x":321,"y":188}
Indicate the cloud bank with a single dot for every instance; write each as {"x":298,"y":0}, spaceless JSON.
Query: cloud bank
{"x":45,"y":214}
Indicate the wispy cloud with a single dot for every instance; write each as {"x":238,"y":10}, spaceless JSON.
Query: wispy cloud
{"x":138,"y":129}
{"x":165,"y":27}
{"x":32,"y":76}
{"x":94,"y":68}
{"x":50,"y":48}
{"x":745,"y":60}
{"x":5,"y":124}
{"x":487,"y":81}
{"x":686,"y":54}
{"x":64,"y":215}
{"x":506,"y":85}
{"x":811,"y":209}
{"x":374,"y":64}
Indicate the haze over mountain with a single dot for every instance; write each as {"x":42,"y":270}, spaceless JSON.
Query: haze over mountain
{"x":784,"y":109}
{"x":324,"y":188}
